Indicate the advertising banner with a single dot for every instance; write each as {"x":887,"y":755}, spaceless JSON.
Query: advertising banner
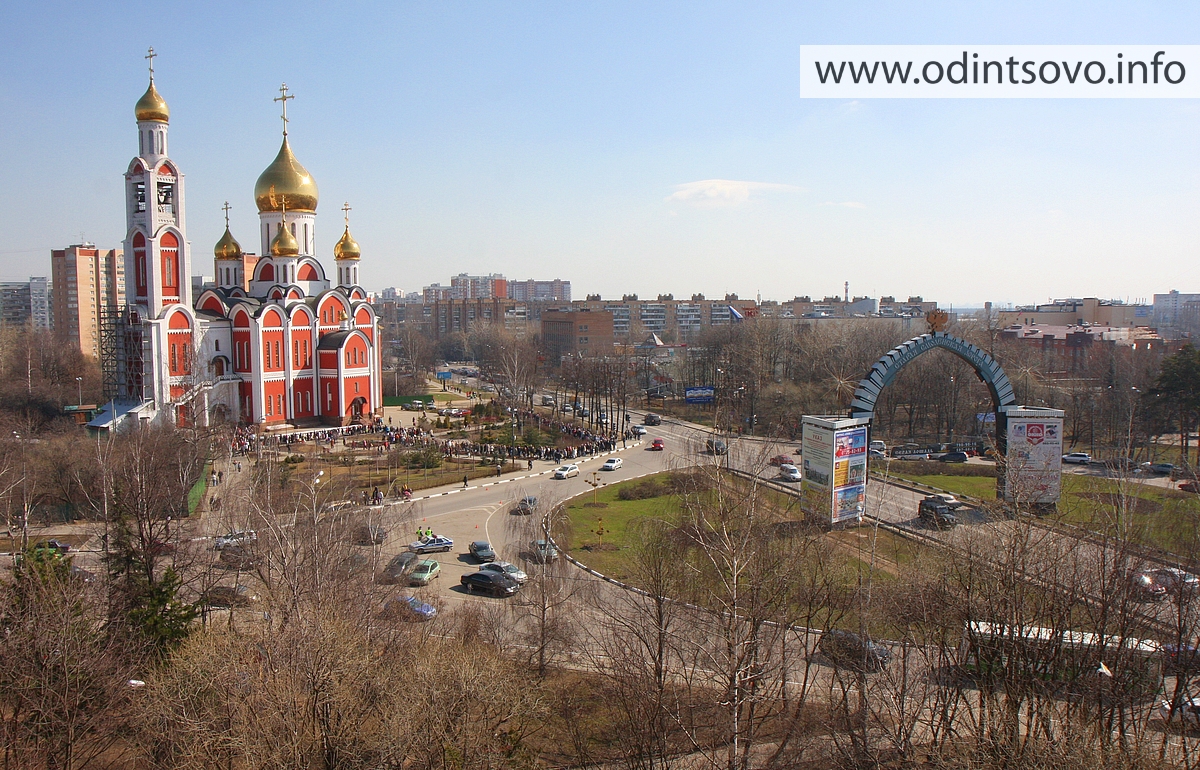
{"x":445,"y":375}
{"x":849,"y":473}
{"x":703,"y":394}
{"x":1034,"y":459}
{"x":834,"y":475}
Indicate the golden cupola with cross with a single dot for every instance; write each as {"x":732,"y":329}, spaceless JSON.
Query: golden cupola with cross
{"x":285,"y":182}
{"x":347,"y":254}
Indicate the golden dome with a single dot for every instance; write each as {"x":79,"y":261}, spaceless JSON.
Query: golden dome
{"x":152,"y":106}
{"x":285,"y":177}
{"x":284,"y":243}
{"x":347,"y":247}
{"x":227,"y":247}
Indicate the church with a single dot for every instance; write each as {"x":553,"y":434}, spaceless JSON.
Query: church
{"x":273,"y":342}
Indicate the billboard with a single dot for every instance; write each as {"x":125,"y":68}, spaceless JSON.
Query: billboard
{"x":1034,"y":457}
{"x":703,"y":394}
{"x":834,"y":475}
{"x":849,"y":473}
{"x":445,"y":375}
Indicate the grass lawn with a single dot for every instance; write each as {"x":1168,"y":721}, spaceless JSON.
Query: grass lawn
{"x":618,"y":522}
{"x":196,"y":493}
{"x":980,"y":487}
{"x":1149,"y":515}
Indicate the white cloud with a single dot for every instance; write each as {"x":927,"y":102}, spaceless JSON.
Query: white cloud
{"x":713,"y":193}
{"x":847,"y":204}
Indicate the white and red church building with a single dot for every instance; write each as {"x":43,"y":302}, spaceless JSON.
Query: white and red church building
{"x":274,"y":341}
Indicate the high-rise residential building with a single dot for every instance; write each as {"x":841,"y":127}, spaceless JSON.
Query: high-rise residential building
{"x":539,"y":291}
{"x":87,"y":280}
{"x":41,"y":313}
{"x":493,"y":286}
{"x":14,"y":305}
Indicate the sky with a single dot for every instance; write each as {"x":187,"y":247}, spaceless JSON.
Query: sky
{"x":642,"y":147}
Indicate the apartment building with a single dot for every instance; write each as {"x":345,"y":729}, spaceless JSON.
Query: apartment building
{"x":86,"y":280}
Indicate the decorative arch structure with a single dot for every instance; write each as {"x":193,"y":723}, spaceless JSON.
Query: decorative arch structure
{"x":888,"y":366}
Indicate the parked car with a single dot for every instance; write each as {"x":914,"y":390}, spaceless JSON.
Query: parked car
{"x":653,"y":419}
{"x":503,"y":567}
{"x":423,"y":572}
{"x":612,"y":464}
{"x":236,"y":557}
{"x":1189,"y":486}
{"x":789,"y":472}
{"x":1179,"y":585}
{"x":482,"y":551}
{"x":876,"y":454}
{"x":782,"y":460}
{"x":1144,"y":588}
{"x":1187,"y":712}
{"x":948,"y":499}
{"x":878,"y":446}
{"x":487,"y":581}
{"x":716,"y":446}
{"x":542,"y":551}
{"x":657,"y":445}
{"x":525,"y":506}
{"x":397,"y":569}
{"x":370,"y":534}
{"x":228,"y":596}
{"x":237,"y":537}
{"x":409,"y":608}
{"x":954,"y":457}
{"x":936,"y":513}
{"x":638,"y":430}
{"x":566,"y":471}
{"x":1161,"y":469}
{"x":1077,"y":458}
{"x":430,"y":544}
{"x":1180,"y":659}
{"x":52,"y":545}
{"x":849,"y":650}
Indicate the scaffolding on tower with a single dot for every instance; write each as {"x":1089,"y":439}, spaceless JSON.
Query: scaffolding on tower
{"x":121,"y":355}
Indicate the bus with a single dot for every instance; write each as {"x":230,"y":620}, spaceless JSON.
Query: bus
{"x":1060,"y":662}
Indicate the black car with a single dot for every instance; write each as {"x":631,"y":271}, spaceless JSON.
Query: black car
{"x":52,"y":545}
{"x":954,"y":457}
{"x":846,"y":649}
{"x":482,"y":551}
{"x":525,"y":506}
{"x":716,"y":446}
{"x":397,"y":569}
{"x":1180,"y":659}
{"x":653,"y":419}
{"x":493,"y":583}
{"x":370,"y":534}
{"x":934,"y":511}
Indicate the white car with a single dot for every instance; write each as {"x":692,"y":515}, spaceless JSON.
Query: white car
{"x":789,"y":472}
{"x":239,"y":538}
{"x":949,"y":499}
{"x":638,"y":430}
{"x":566,"y":471}
{"x":611,"y":464}
{"x":1078,"y":458}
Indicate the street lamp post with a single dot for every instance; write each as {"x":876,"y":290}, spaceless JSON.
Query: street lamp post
{"x":79,"y":385}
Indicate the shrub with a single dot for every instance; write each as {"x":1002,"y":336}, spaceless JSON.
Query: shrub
{"x":643,"y":490}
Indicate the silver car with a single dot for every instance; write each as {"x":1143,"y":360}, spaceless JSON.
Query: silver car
{"x":503,"y":567}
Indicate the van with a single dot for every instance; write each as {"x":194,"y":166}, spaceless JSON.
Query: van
{"x":878,"y":446}
{"x":653,"y":419}
{"x":548,"y":400}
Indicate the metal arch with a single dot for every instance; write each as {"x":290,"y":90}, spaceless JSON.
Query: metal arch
{"x":888,"y":366}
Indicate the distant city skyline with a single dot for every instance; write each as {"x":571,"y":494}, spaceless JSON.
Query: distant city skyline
{"x":627,"y":148}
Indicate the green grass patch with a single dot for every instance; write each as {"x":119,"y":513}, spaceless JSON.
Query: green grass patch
{"x":618,"y":522}
{"x":980,"y":487}
{"x":195,"y":495}
{"x":1148,"y":515}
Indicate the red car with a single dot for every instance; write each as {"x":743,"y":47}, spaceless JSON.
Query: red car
{"x":782,"y":460}
{"x":657,"y":445}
